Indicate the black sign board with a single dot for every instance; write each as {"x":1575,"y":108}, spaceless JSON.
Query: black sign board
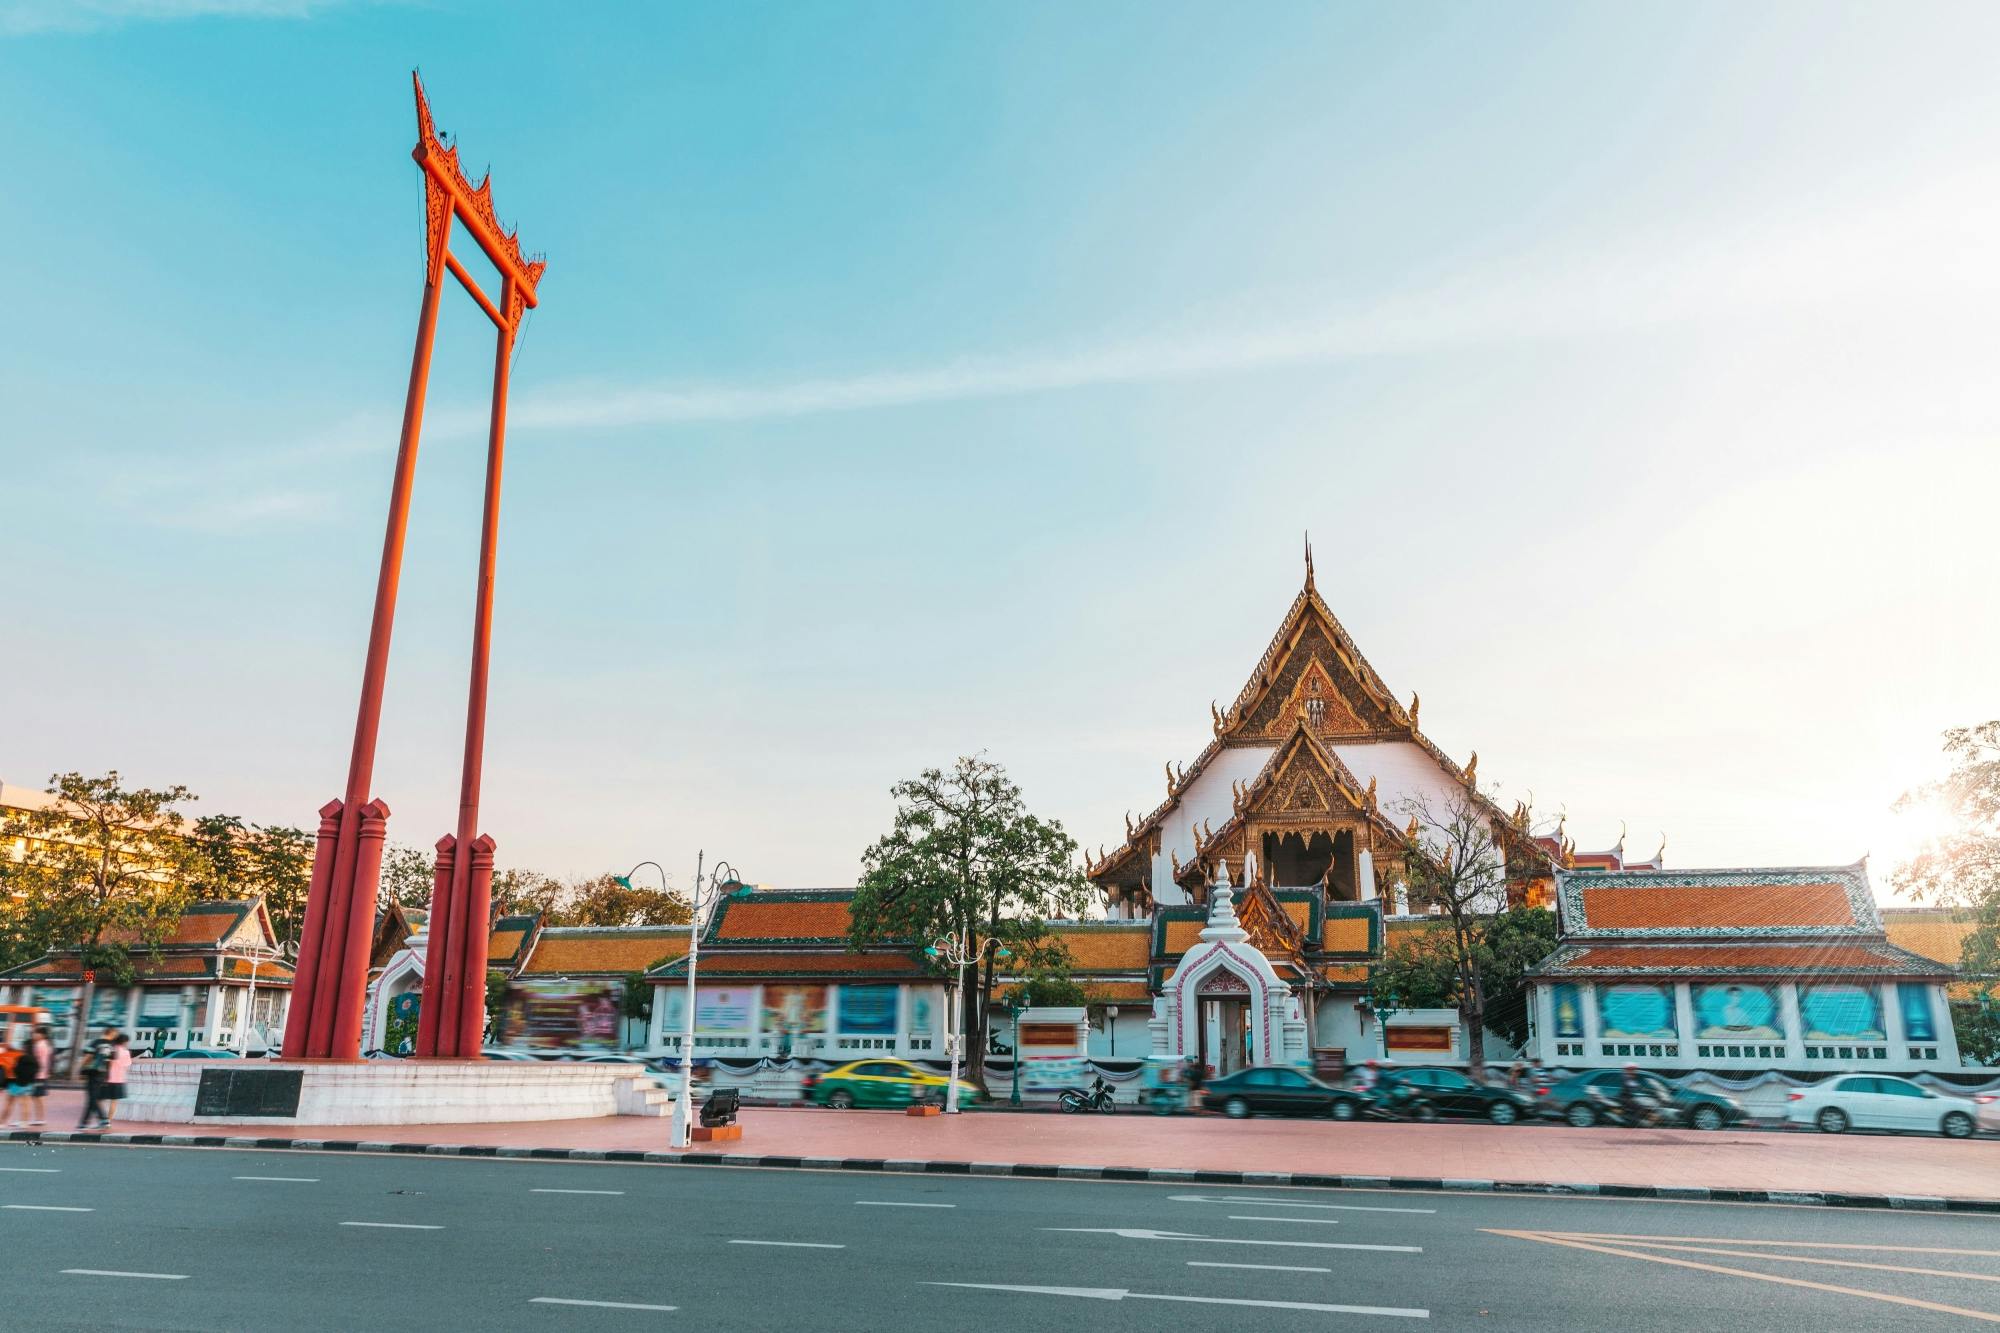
{"x":273,"y":1092}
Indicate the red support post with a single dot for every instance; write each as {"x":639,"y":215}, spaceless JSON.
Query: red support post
{"x":298,"y":1022}
{"x":472,"y":1004}
{"x":437,"y":929}
{"x":353,"y":1000}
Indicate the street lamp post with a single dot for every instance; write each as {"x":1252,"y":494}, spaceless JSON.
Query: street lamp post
{"x":952,"y":952}
{"x":1014,"y":1017}
{"x":705,"y":895}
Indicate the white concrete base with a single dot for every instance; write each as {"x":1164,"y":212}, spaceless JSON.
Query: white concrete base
{"x":407,"y":1092}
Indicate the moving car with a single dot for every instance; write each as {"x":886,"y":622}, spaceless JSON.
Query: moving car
{"x":201,"y":1053}
{"x":1988,"y":1114}
{"x":1450,"y":1093}
{"x":1571,"y":1100}
{"x":1879,"y":1101}
{"x":881,"y":1083}
{"x":1277,"y":1090}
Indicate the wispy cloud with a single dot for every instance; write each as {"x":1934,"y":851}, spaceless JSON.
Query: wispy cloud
{"x":21,"y":17}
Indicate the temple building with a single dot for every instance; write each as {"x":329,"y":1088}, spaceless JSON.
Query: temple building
{"x":1735,"y":970}
{"x":1316,"y":785}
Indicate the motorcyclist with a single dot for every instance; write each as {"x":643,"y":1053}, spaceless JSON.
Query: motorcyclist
{"x":1366,"y":1078}
{"x":1631,"y":1093}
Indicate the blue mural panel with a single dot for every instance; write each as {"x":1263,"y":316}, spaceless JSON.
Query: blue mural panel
{"x":1635,"y":1010}
{"x":1919,"y":1021}
{"x":1735,"y":1012}
{"x":868,"y":1010}
{"x":1567,"y":1001}
{"x":1841,"y":1013}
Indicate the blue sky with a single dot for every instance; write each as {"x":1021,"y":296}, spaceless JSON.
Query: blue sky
{"x":911,"y":380}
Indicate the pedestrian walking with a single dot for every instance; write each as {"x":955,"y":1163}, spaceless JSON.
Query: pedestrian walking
{"x":21,"y":1085}
{"x":44,"y":1047}
{"x":114,"y":1077}
{"x":96,"y":1064}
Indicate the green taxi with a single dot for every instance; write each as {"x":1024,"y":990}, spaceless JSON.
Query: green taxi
{"x":882,"y":1082}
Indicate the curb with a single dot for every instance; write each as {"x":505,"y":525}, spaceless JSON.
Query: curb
{"x":1151,"y":1175}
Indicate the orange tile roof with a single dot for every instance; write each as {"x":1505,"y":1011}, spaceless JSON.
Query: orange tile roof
{"x":1934,"y":935}
{"x":752,"y":919}
{"x":558,"y":952}
{"x":1300,"y":913}
{"x":503,"y":944}
{"x":1632,"y":907}
{"x":1345,"y":934}
{"x":1107,"y":948}
{"x":1782,"y":957}
{"x":1116,"y":992}
{"x":266,"y":970}
{"x":805,"y":964}
{"x":1182,"y":936}
{"x":1354,"y":973}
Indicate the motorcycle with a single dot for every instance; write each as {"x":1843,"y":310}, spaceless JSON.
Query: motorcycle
{"x":1097,"y":1099}
{"x":1645,"y":1112}
{"x":1397,"y":1101}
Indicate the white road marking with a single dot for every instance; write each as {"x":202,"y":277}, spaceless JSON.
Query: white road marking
{"x":602,"y":1305}
{"x":555,"y":1191}
{"x":1302,"y":1221}
{"x":791,"y":1244}
{"x":113,"y":1272}
{"x":44,"y":1208}
{"x":1264,"y":1268}
{"x":295,"y":1180}
{"x":898,"y":1203}
{"x":396,"y":1226}
{"x":1281,"y":1203}
{"x":1123,"y":1294}
{"x":1140,"y":1233}
{"x":34,"y":1170}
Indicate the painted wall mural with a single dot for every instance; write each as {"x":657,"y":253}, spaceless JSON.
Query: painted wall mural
{"x":1841,"y":1013}
{"x":1635,"y":1010}
{"x":1736,"y":1012}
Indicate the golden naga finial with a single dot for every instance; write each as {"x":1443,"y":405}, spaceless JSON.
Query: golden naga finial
{"x":1411,"y":831}
{"x":1180,"y":775}
{"x":1416,"y":702}
{"x":1215,"y":716}
{"x":1174,"y":860}
{"x":1128,"y":826}
{"x":1169,"y":766}
{"x":1472,"y":771}
{"x":1084,"y":852}
{"x":1101,"y":857}
{"x":1372,"y":801}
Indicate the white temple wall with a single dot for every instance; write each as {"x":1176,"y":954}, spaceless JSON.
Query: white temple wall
{"x":1206,"y":797}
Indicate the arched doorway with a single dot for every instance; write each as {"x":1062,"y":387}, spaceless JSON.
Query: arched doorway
{"x":1224,"y":1000}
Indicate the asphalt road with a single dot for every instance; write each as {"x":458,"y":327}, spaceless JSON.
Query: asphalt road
{"x":161,"y":1238}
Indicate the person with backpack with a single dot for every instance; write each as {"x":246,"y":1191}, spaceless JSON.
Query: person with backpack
{"x":21,"y":1080}
{"x":96,"y":1064}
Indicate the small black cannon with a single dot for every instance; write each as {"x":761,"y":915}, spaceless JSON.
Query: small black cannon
{"x":720,"y":1108}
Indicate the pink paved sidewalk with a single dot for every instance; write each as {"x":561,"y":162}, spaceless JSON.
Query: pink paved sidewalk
{"x":1861,"y":1164}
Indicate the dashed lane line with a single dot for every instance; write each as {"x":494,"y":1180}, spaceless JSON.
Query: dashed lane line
{"x":397,"y":1226}
{"x":1125,"y":1294}
{"x":291,"y":1180}
{"x":791,"y":1244}
{"x":1788,"y":1244}
{"x":1622,"y":1253}
{"x":34,"y":1170}
{"x":557,"y":1191}
{"x":601,"y":1305}
{"x":1262,"y":1268}
{"x":1296,"y":1221}
{"x":114,"y":1272}
{"x":1142,"y":1233}
{"x":44,"y":1208}
{"x":1283,"y":1203}
{"x":898,"y":1203}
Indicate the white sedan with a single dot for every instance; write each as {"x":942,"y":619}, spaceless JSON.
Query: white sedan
{"x":1877,"y":1101}
{"x":1989,"y":1112}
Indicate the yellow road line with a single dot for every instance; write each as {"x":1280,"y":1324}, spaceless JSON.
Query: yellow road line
{"x":1912,"y":1301}
{"x":1798,"y":1244}
{"x":1830,"y":1263}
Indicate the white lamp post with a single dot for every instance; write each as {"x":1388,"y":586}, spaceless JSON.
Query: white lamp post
{"x":705,"y":896}
{"x":955,"y":955}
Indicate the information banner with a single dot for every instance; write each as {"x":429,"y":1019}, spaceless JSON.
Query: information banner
{"x":1056,"y":1071}
{"x":868,"y":1010}
{"x":724,"y":1008}
{"x":794,"y":1010}
{"x":561,"y":1015}
{"x":1840,"y":1013}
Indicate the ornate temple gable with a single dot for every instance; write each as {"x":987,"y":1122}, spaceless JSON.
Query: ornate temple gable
{"x":1312,"y":671}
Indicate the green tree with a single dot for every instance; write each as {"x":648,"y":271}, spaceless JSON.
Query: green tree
{"x":1960,"y":869}
{"x":408,"y":877}
{"x":604,"y":901}
{"x":106,"y":870}
{"x":1420,"y":967}
{"x":1455,"y":865}
{"x":965,"y":860}
{"x":239,"y":860}
{"x":1043,"y":967}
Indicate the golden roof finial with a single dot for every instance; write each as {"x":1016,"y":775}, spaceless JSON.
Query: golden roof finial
{"x":1128,"y":826}
{"x":1411,"y":831}
{"x":1416,"y":702}
{"x":1371,"y":792}
{"x":1309,"y":561}
{"x":1170,"y":779}
{"x":1215,"y":714}
{"x":1472,"y":771}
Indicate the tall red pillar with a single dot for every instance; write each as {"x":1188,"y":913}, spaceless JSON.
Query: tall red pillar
{"x":472,"y":998}
{"x":437,"y":931}
{"x":298,"y":1020}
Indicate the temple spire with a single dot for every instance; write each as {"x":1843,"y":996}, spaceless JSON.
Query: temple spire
{"x":1309,"y":561}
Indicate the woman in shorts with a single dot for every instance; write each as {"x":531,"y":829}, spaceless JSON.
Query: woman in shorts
{"x":114,"y":1077}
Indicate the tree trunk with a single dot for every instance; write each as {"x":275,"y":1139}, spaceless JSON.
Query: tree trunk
{"x":80,"y":1025}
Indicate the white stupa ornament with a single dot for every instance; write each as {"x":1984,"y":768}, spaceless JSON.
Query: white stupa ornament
{"x":1222,"y":924}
